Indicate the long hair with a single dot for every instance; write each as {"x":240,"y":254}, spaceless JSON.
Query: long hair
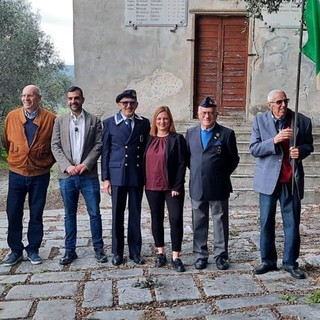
{"x":154,"y":129}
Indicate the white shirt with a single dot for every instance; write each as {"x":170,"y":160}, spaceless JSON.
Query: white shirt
{"x":76,"y":132}
{"x":125,"y":119}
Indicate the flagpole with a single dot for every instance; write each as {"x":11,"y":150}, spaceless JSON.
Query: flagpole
{"x":297,"y":91}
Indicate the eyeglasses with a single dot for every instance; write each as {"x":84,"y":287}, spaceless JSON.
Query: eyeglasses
{"x":29,"y":95}
{"x":126,"y":103}
{"x":279,"y":102}
{"x":210,"y":114}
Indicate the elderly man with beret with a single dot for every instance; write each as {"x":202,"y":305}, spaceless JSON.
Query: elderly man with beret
{"x":213,"y":156}
{"x":124,"y":140}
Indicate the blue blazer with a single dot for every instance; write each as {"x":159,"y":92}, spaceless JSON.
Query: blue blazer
{"x":211,"y":168}
{"x":122,"y":151}
{"x":269,"y":156}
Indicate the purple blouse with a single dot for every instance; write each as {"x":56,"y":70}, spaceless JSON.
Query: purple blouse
{"x":156,"y":178}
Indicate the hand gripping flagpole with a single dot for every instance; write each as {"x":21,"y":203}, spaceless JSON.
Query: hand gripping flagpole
{"x":297,"y":92}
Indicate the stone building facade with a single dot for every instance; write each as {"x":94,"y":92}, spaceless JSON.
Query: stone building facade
{"x":206,"y":47}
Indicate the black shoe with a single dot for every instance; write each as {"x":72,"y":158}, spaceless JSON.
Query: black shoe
{"x":68,"y":257}
{"x":264,"y":268}
{"x":100,"y":255}
{"x":201,"y":263}
{"x":13,"y":258}
{"x":161,"y":260}
{"x":296,"y":272}
{"x":34,"y":257}
{"x":137,"y":259}
{"x":222,"y":263}
{"x":178,"y":265}
{"x":117,"y":260}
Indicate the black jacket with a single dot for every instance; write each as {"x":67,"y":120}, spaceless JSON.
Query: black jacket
{"x":176,"y":153}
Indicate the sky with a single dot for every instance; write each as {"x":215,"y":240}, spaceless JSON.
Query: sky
{"x":57,"y":22}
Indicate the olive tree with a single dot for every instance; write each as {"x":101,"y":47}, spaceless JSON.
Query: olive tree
{"x":254,"y":7}
{"x":27,"y":56}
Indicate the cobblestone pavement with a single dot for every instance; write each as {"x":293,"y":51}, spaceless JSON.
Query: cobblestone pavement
{"x":89,"y":290}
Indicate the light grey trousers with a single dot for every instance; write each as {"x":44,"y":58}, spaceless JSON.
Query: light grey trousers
{"x":200,"y":221}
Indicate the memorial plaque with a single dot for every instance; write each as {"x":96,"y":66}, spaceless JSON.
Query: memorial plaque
{"x":156,"y":12}
{"x":288,"y":16}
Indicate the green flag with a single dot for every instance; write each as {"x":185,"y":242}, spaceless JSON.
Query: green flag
{"x":312,"y":18}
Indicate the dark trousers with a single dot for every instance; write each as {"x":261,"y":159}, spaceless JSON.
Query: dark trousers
{"x":119,"y":200}
{"x":290,"y":206}
{"x":19,"y":187}
{"x":157,"y":200}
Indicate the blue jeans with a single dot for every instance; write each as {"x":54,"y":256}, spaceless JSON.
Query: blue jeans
{"x":36,"y":188}
{"x":290,"y":206}
{"x":70,"y":189}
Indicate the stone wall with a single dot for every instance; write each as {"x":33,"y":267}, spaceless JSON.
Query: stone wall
{"x":158,"y":61}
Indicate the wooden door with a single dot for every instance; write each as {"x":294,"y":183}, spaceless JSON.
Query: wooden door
{"x":221,"y":55}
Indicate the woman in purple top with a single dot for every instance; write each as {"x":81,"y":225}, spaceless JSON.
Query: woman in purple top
{"x":165,"y":168}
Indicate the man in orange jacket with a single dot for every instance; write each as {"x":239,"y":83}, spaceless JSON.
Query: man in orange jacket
{"x":27,"y":138}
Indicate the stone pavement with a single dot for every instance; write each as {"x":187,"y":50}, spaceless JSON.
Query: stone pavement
{"x":89,"y":290}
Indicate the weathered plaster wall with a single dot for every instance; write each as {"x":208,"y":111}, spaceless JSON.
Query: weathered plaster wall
{"x":275,"y":65}
{"x":158,"y":63}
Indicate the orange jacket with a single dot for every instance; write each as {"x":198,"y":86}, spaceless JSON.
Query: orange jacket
{"x":22,"y":159}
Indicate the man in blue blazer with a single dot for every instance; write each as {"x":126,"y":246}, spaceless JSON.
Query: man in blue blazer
{"x":213,"y":157}
{"x":278,"y":160}
{"x":124,"y":140}
{"x":76,"y":145}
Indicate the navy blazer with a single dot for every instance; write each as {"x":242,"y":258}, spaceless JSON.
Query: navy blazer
{"x":122,"y":151}
{"x":211,"y":168}
{"x":269,"y":156}
{"x":175,"y":160}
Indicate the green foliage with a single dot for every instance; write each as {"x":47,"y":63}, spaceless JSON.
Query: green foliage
{"x":3,"y":159}
{"x":254,"y":7}
{"x":27,"y":56}
{"x":147,"y":283}
{"x":314,"y":298}
{"x":288,"y":298}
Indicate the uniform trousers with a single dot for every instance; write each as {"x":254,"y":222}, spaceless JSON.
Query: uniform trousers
{"x":119,"y":199}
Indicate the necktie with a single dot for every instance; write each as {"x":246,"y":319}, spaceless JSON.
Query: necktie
{"x":128,"y":122}
{"x":280,"y":123}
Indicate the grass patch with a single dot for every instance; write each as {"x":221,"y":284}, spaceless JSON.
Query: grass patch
{"x":288,"y":298}
{"x":314,"y":298}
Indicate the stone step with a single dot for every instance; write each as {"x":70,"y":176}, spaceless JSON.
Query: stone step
{"x":245,"y":181}
{"x":244,"y":135}
{"x":248,"y":169}
{"x":243,"y":145}
{"x":247,"y":197}
{"x":247,"y":158}
{"x":242,"y":177}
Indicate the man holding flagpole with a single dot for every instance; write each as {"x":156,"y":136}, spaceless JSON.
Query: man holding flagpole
{"x":272,"y":144}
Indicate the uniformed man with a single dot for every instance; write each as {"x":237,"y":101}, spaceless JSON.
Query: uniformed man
{"x":124,"y":137}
